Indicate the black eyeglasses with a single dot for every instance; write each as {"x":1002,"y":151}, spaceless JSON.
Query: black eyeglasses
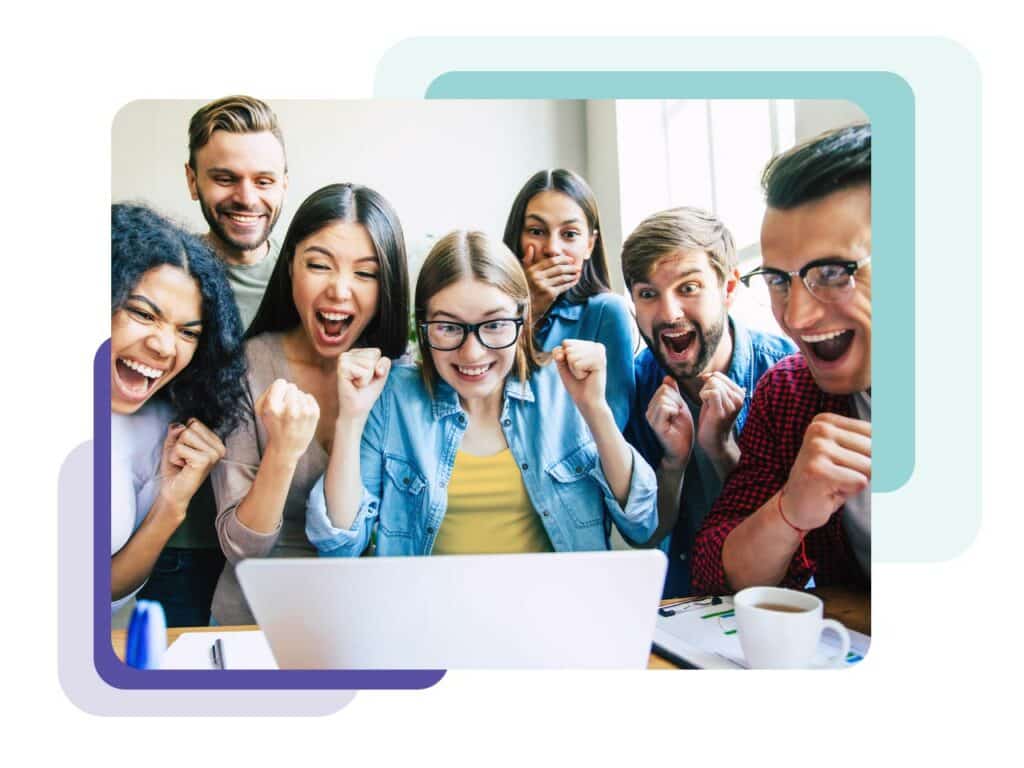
{"x":447,"y":335}
{"x":827,"y":280}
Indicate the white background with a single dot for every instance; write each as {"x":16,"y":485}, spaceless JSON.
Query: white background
{"x":934,"y":691}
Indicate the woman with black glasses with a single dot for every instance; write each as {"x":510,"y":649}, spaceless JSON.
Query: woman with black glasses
{"x":481,"y":448}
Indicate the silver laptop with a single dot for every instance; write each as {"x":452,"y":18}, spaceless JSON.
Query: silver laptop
{"x":574,"y":610}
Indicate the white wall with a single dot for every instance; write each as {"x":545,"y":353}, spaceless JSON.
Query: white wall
{"x":818,"y":115}
{"x":442,"y":164}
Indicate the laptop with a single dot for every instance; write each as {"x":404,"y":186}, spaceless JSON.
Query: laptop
{"x":580,"y":610}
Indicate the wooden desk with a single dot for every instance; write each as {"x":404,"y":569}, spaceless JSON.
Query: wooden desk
{"x":851,"y":608}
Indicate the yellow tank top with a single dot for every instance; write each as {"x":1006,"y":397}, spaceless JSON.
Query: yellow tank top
{"x":488,"y":509}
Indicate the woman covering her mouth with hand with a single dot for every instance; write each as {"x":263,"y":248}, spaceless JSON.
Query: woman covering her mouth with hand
{"x":176,"y":366}
{"x":341,"y":282}
{"x":481,"y":449}
{"x":554,"y":229}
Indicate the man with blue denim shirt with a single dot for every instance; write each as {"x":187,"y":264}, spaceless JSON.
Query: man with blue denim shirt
{"x":408,"y":450}
{"x":695,"y":379}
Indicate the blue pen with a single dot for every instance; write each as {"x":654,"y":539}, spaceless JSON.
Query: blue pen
{"x":147,"y":636}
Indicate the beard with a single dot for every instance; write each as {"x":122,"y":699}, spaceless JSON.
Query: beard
{"x":707,"y":341}
{"x":251,"y":243}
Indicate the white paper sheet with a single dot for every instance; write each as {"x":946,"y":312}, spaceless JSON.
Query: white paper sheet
{"x":242,"y":650}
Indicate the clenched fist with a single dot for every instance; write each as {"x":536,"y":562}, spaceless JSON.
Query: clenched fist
{"x":834,"y":464}
{"x":361,"y":377}
{"x":583,"y":369}
{"x":189,"y":453}
{"x":721,"y":402}
{"x":290,"y":417}
{"x":672,"y":423}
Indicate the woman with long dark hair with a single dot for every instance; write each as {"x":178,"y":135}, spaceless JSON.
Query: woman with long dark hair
{"x":341,"y":282}
{"x":554,"y":229}
{"x":176,"y":367}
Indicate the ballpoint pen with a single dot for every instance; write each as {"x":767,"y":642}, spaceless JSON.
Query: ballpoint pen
{"x":685,"y":603}
{"x":217,"y":652}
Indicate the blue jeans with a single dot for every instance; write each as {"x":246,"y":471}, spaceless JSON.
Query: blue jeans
{"x":183,"y":581}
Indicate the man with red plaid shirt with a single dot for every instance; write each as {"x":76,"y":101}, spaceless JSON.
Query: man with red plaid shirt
{"x":798,"y":504}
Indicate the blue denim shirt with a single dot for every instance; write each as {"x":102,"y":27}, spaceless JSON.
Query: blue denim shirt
{"x":753,"y":353}
{"x":605,"y":318}
{"x":408,"y":450}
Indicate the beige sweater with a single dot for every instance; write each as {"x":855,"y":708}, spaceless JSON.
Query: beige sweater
{"x":233,"y":476}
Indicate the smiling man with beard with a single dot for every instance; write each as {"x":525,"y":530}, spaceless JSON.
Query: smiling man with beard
{"x":695,"y":379}
{"x":238,"y":173}
{"x":799,"y":503}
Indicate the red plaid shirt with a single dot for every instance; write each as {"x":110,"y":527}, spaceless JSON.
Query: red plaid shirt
{"x":784,"y":404}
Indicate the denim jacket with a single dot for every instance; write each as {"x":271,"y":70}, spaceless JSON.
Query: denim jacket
{"x":408,"y":450}
{"x":605,"y":318}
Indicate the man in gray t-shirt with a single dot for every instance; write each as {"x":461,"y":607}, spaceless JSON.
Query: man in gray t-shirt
{"x":238,"y":172}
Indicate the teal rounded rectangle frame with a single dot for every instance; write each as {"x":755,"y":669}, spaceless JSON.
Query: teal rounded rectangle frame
{"x":888,"y":100}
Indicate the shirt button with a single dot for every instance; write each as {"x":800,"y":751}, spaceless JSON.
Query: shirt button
{"x":462,"y":419}
{"x":525,"y":465}
{"x":544,"y":512}
{"x":507,"y":422}
{"x":682,"y":555}
{"x":430,"y":529}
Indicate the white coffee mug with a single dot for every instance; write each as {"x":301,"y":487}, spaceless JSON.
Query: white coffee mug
{"x":780,"y":628}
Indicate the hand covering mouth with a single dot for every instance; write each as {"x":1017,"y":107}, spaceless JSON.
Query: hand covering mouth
{"x":829,"y":346}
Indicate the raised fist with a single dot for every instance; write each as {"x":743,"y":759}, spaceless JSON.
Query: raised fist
{"x":834,"y":464}
{"x":361,"y":377}
{"x":290,"y":417}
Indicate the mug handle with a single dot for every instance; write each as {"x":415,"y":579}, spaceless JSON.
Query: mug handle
{"x":844,"y":641}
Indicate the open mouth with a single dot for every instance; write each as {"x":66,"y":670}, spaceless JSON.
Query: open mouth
{"x":829,"y":347}
{"x":333,"y":325}
{"x":136,"y":379}
{"x":473,"y":372}
{"x":678,"y":342}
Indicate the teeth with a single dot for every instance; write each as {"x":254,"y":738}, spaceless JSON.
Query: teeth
{"x":822,"y":336}
{"x":334,"y":316}
{"x":674,"y":334}
{"x":145,"y":370}
{"x":473,"y":371}
{"x":243,"y":217}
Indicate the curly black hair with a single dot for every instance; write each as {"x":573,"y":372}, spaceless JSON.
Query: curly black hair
{"x":210,"y":388}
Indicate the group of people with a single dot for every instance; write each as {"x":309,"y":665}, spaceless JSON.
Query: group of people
{"x":271,"y":400}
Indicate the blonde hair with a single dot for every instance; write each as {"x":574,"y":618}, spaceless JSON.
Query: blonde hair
{"x":665,"y":232}
{"x":234,"y":114}
{"x":462,"y":254}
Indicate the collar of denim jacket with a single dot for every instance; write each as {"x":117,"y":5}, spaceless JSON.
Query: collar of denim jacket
{"x":446,"y":399}
{"x":565,"y":309}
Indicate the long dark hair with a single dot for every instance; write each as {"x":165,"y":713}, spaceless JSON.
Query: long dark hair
{"x":594,"y":277}
{"x":210,"y":387}
{"x":355,"y":204}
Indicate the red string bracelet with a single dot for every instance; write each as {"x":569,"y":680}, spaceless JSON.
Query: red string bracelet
{"x":802,"y":531}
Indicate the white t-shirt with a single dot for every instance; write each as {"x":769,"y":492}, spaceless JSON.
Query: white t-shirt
{"x":857,"y":509}
{"x":136,"y":441}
